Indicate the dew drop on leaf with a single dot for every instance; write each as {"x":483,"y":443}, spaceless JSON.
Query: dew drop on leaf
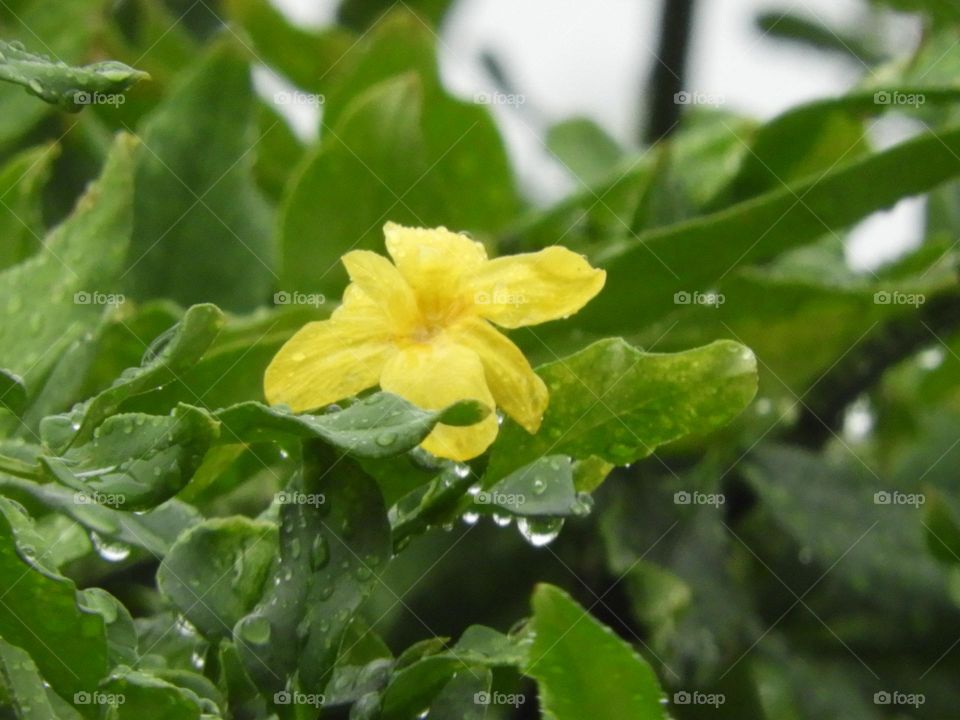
{"x":319,"y":553}
{"x":386,"y":439}
{"x":256,"y":630}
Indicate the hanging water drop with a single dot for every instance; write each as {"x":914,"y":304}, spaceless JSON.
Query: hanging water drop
{"x":109,"y":551}
{"x":540,"y":532}
{"x":470,"y":518}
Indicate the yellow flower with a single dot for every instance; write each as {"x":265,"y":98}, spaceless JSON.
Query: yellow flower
{"x":421,"y":328}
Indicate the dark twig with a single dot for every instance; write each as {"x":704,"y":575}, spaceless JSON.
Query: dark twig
{"x":669,"y":70}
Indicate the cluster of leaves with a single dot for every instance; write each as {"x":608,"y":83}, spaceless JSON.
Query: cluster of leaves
{"x":171,"y":546}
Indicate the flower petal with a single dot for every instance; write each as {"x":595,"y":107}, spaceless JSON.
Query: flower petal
{"x":515,"y":386}
{"x":518,"y":290}
{"x":383,"y":284}
{"x":434,"y":375}
{"x":327,"y":361}
{"x":434,"y":261}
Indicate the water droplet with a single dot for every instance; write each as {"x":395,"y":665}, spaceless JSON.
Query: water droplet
{"x":470,"y":518}
{"x":540,"y":531}
{"x":319,"y":552}
{"x":462,"y":471}
{"x":502,"y":520}
{"x":386,"y":439}
{"x":197,"y":660}
{"x":256,"y":630}
{"x":583,"y":504}
{"x":539,"y":486}
{"x":109,"y":551}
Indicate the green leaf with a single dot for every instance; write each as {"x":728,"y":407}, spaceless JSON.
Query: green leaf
{"x":544,"y":487}
{"x":13,"y":393}
{"x":465,"y":696}
{"x":808,"y":141}
{"x":41,"y":612}
{"x":614,"y":684}
{"x":48,"y":298}
{"x":836,"y":506}
{"x":813,"y":33}
{"x":699,"y":252}
{"x":482,"y":645}
{"x":942,"y":529}
{"x":70,"y":88}
{"x":118,"y":623}
{"x":617,"y":403}
{"x":210,"y":212}
{"x":182,"y":347}
{"x":154,"y":531}
{"x":215,"y":572}
{"x":27,"y":695}
{"x":64,"y":28}
{"x":585,"y":149}
{"x":146,"y":695}
{"x":381,"y":425}
{"x":22,"y":179}
{"x":334,"y":539}
{"x":311,"y":60}
{"x":396,"y":148}
{"x":135,"y":462}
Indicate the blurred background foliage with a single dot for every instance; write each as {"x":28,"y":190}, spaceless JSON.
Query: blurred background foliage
{"x":800,"y":596}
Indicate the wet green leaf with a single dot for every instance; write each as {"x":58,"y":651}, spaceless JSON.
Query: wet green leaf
{"x":377,"y":426}
{"x":215,"y":572}
{"x":619,"y":404}
{"x":616,"y":683}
